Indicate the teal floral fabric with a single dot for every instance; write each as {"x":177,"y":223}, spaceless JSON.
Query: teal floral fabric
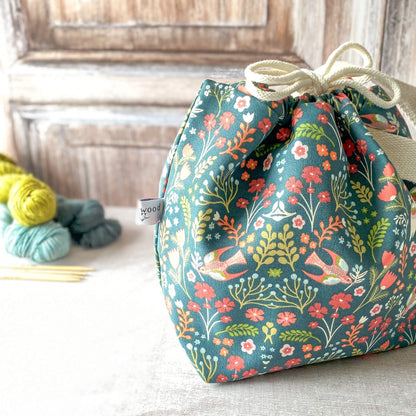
{"x":287,"y":235}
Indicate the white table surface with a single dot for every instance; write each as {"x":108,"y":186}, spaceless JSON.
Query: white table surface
{"x":106,"y":347}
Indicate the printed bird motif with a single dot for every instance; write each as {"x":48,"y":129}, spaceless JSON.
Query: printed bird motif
{"x":379,"y":122}
{"x":217,"y":269}
{"x":332,"y":274}
{"x":411,"y":302}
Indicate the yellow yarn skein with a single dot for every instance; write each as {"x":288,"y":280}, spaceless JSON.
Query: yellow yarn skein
{"x":31,"y":202}
{"x":6,"y":183}
{"x":7,"y":166}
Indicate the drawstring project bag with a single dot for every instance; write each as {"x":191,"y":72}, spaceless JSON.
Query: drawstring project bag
{"x":287,"y":235}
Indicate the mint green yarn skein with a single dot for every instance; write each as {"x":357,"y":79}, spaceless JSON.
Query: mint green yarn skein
{"x":41,"y":243}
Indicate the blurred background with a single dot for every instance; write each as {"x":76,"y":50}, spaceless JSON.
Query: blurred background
{"x":93,"y":91}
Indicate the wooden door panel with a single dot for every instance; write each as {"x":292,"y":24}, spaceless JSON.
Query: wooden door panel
{"x":114,"y":154}
{"x":179,"y":25}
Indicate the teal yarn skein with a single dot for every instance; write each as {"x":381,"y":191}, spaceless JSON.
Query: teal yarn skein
{"x":86,"y":222}
{"x":41,"y":243}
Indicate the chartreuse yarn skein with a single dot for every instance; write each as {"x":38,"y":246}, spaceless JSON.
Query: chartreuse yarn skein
{"x":41,"y":243}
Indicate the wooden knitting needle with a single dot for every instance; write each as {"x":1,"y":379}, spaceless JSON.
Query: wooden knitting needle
{"x":48,"y":278}
{"x":52,"y":268}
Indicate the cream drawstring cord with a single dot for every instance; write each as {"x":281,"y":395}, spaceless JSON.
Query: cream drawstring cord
{"x":335,"y":74}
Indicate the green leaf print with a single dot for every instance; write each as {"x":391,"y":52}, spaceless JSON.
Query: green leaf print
{"x":311,"y":131}
{"x":200,"y":224}
{"x":287,"y":249}
{"x":186,"y":209}
{"x":297,"y":335}
{"x":377,"y":235}
{"x":238,"y":330}
{"x":363,"y":192}
{"x":266,"y":251}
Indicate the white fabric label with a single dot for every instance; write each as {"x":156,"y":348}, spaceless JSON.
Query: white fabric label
{"x":149,"y":211}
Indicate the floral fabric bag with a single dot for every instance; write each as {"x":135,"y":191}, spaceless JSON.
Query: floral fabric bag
{"x":288,"y":230}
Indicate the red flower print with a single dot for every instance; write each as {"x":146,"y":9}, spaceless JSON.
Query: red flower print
{"x":293,"y":200}
{"x":346,"y":320}
{"x":313,"y":324}
{"x":257,"y":185}
{"x":225,"y":305}
{"x":387,"y":280}
{"x":352,"y":168}
{"x":387,"y":258}
{"x":362,"y":147}
{"x":277,"y":368}
{"x":324,"y":197}
{"x":267,"y":162}
{"x":297,"y":114}
{"x":310,"y":190}
{"x":317,"y":311}
{"x":204,"y":290}
{"x":294,"y":185}
{"x":388,"y":192}
{"x":267,"y":203}
{"x":209,"y":121}
{"x":312,"y":174}
{"x":251,"y":164}
{"x":269,"y":191}
{"x":349,"y":147}
{"x":401,"y":327}
{"x":255,"y":314}
{"x":220,"y":142}
{"x":192,"y":306}
{"x":235,"y":363}
{"x":248,"y":346}
{"x":252,"y":372}
{"x":326,"y":165}
{"x":322,"y":149}
{"x":206,"y":305}
{"x":283,"y":134}
{"x":242,"y":203}
{"x":286,"y":350}
{"x":265,"y":125}
{"x":372,"y":157}
{"x":226,"y":319}
{"x":335,"y":315}
{"x":323,"y":118}
{"x":385,"y":324}
{"x":292,"y":362}
{"x":385,"y":345}
{"x":286,"y":318}
{"x":221,"y":378}
{"x":362,"y":340}
{"x":201,"y":134}
{"x":340,"y":300}
{"x":375,"y":323}
{"x":245,"y":176}
{"x":359,"y":291}
{"x":324,"y":106}
{"x":389,"y":170}
{"x":226,"y":119}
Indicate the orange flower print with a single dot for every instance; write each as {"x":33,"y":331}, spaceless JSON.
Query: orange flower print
{"x":250,"y":249}
{"x":228,"y":342}
{"x":245,"y":176}
{"x":312,"y":245}
{"x":251,"y":164}
{"x":308,"y":355}
{"x":304,"y":238}
{"x":217,"y":341}
{"x":307,"y":347}
{"x":223,"y":351}
{"x":333,"y":155}
{"x":317,"y":348}
{"x":322,"y":150}
{"x":326,"y":165}
{"x":302,"y":250}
